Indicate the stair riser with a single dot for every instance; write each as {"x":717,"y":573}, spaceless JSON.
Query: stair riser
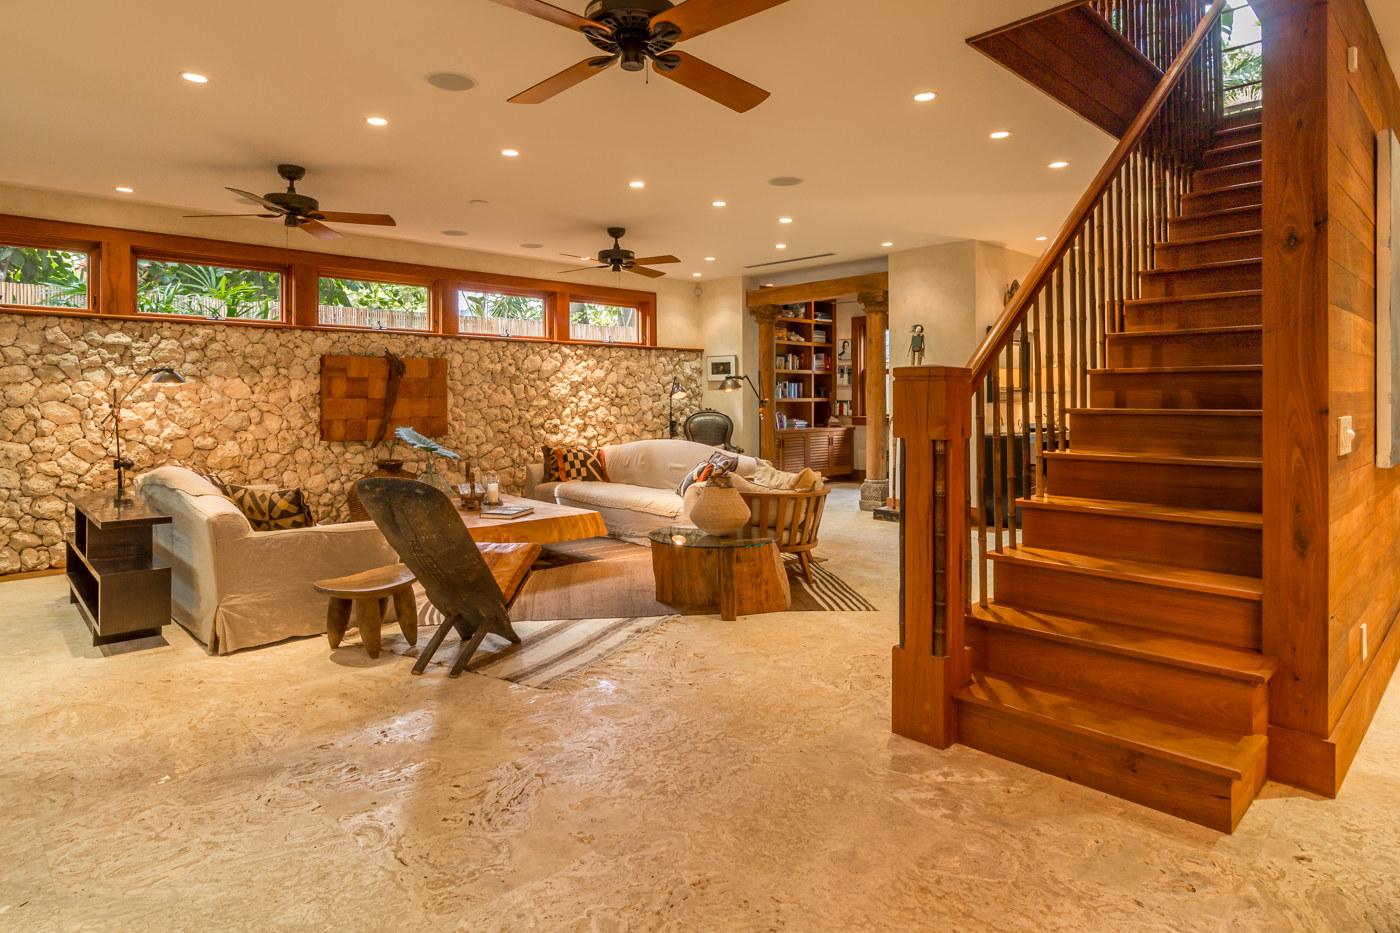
{"x":1171,"y":255}
{"x":1126,"y":351}
{"x":1204,"y":700}
{"x":1243,"y":134}
{"x":1174,"y":283}
{"x":1230,"y":390}
{"x":1201,"y":435}
{"x":1198,"y":796}
{"x":1179,"y":544}
{"x":1234,"y":154}
{"x":1245,"y":310}
{"x":1180,"y":228}
{"x":1185,"y":613}
{"x":1217,"y":178}
{"x":1209,"y":201}
{"x":1189,"y":487}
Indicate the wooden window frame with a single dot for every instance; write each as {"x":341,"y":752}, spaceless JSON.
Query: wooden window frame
{"x":113,"y":253}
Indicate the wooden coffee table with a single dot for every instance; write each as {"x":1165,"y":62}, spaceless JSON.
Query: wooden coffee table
{"x":549,"y":523}
{"x":741,"y":574}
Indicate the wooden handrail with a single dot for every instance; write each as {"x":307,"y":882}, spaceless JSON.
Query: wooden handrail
{"x":985,"y":357}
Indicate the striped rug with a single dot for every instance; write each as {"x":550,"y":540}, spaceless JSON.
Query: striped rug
{"x":827,"y":592}
{"x":548,"y":651}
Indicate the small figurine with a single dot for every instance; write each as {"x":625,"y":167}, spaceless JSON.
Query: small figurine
{"x":916,"y":346}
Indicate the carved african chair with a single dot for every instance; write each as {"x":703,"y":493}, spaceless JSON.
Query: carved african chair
{"x":711,"y":427}
{"x":472,"y":585}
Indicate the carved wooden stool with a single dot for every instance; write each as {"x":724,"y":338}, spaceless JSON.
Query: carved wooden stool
{"x":371,"y":592}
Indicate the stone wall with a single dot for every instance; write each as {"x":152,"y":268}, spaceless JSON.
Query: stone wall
{"x":251,"y":409}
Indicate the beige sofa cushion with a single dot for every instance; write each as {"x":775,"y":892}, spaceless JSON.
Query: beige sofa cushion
{"x":662,"y":502}
{"x":661,"y":463}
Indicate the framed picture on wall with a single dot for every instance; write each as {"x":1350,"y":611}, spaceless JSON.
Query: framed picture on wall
{"x":845,"y":350}
{"x":721,"y":367}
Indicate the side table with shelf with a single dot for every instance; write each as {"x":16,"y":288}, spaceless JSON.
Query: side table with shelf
{"x":121,"y":589}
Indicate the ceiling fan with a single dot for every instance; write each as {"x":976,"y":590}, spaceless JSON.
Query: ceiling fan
{"x":623,"y":260}
{"x":632,"y":31}
{"x":297,"y":210}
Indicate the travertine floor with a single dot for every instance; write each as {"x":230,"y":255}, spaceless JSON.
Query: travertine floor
{"x":718,"y":776}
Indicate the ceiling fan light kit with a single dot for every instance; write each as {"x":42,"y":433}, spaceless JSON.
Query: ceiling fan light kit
{"x":633,"y":32}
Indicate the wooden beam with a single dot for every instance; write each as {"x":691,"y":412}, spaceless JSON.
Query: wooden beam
{"x":767,"y":317}
{"x":877,"y":324}
{"x":828,"y":290}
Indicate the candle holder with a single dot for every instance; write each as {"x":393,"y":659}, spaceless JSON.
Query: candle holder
{"x":492,"y":482}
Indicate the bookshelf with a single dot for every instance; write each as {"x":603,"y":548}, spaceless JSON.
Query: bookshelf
{"x":805,"y":355}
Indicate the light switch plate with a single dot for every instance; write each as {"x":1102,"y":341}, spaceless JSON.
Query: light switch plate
{"x":1345,"y":435}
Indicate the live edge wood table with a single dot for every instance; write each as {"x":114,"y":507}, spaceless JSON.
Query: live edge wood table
{"x":121,"y":589}
{"x":742,"y":574}
{"x":549,"y":523}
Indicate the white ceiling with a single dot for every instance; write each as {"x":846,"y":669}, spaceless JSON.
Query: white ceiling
{"x":93,"y":99}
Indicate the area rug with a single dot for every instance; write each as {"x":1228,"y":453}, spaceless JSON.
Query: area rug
{"x":826,"y":593}
{"x":549,"y":651}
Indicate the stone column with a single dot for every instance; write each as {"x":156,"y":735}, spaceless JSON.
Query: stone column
{"x":877,"y":479}
{"x":767,"y":316}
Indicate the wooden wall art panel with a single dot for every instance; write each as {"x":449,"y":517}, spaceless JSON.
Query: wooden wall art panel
{"x":355,"y":391}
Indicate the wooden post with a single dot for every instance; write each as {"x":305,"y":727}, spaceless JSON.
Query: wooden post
{"x":877,"y":323}
{"x":932,"y":415}
{"x":304,"y":294}
{"x":767,"y":316}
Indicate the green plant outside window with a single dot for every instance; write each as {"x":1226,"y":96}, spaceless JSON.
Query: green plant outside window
{"x":376,"y":305}
{"x":43,"y":278}
{"x":607,"y":323}
{"x":214,"y":292}
{"x":502,"y":315}
{"x":1242,"y":57}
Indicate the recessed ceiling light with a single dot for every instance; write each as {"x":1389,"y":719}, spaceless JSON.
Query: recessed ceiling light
{"x":531,"y":245}
{"x":717,"y":204}
{"x":1000,"y":134}
{"x":926,"y":95}
{"x":696,"y":274}
{"x":886,"y":244}
{"x":454,"y":233}
{"x":709,"y":259}
{"x":450,"y":81}
{"x":478,"y":202}
{"x":124,"y":190}
{"x":784,"y":220}
{"x":1039,"y":238}
{"x":377,"y":121}
{"x":637,"y":184}
{"x":784,"y":181}
{"x":767,"y":284}
{"x":782,"y":246}
{"x":195,"y":78}
{"x":1058,"y":164}
{"x":510,"y":152}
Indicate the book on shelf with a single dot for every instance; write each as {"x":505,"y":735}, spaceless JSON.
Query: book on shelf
{"x":820,"y":315}
{"x":507,"y":511}
{"x":821,"y":362}
{"x":797,"y":423}
{"x":819,"y":335}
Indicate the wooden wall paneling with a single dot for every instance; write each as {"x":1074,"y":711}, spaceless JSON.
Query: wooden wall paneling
{"x":115,"y":277}
{"x":303,"y":295}
{"x":1296,"y":439}
{"x":445,"y":306}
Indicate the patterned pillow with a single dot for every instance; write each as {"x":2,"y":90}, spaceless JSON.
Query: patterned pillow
{"x":584,"y":464}
{"x":271,"y":509}
{"x":719,"y":462}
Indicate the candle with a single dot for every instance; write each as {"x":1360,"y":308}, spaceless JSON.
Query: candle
{"x":493,"y":489}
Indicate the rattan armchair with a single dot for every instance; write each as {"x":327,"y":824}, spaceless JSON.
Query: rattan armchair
{"x":793,"y":517}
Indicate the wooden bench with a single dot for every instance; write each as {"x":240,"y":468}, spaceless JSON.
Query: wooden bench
{"x":370,"y":592}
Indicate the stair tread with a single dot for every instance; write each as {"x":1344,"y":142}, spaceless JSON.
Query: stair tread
{"x":1148,"y":510}
{"x":1222,"y":368}
{"x":1206,"y":296}
{"x":1188,"y":331}
{"x":1214,"y":412}
{"x":1115,"y":723}
{"x":1231,"y":167}
{"x":1208,"y":192}
{"x":1129,"y":641}
{"x":1220,"y":212}
{"x":1211,"y":238}
{"x":1198,"y":266}
{"x":1248,"y":463}
{"x":1138,"y":571}
{"x":1232,"y":146}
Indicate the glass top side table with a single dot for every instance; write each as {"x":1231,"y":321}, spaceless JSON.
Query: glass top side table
{"x":741,"y":574}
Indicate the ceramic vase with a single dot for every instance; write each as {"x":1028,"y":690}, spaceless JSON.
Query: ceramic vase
{"x":719,"y":509}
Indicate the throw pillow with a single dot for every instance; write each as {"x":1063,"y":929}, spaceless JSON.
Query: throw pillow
{"x":718,"y":462}
{"x":271,"y":509}
{"x":768,"y":475}
{"x":585,"y":464}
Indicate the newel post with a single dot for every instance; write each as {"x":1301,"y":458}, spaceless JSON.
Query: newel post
{"x":932,"y":419}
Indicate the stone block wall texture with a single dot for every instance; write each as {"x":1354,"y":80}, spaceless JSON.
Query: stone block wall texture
{"x":251,"y":410}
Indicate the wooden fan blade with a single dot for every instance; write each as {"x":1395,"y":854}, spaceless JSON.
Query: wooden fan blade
{"x":715,"y":83}
{"x":649,"y":273}
{"x":655,"y":260}
{"x":564,"y":80}
{"x":336,"y":217}
{"x":696,"y":16}
{"x":552,"y":13}
{"x":259,"y":199}
{"x":232,"y":215}
{"x":585,"y":269}
{"x":319,"y":230}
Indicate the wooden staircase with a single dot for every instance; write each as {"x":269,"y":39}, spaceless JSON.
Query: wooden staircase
{"x":1122,"y":648}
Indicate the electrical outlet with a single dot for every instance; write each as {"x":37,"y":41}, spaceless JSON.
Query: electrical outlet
{"x":1364,"y":648}
{"x":1345,"y":435}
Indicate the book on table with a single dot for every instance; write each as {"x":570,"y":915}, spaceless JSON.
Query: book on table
{"x":507,"y":511}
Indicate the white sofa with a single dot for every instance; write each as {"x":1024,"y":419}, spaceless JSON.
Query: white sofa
{"x":233,"y":587}
{"x":641,"y":493}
